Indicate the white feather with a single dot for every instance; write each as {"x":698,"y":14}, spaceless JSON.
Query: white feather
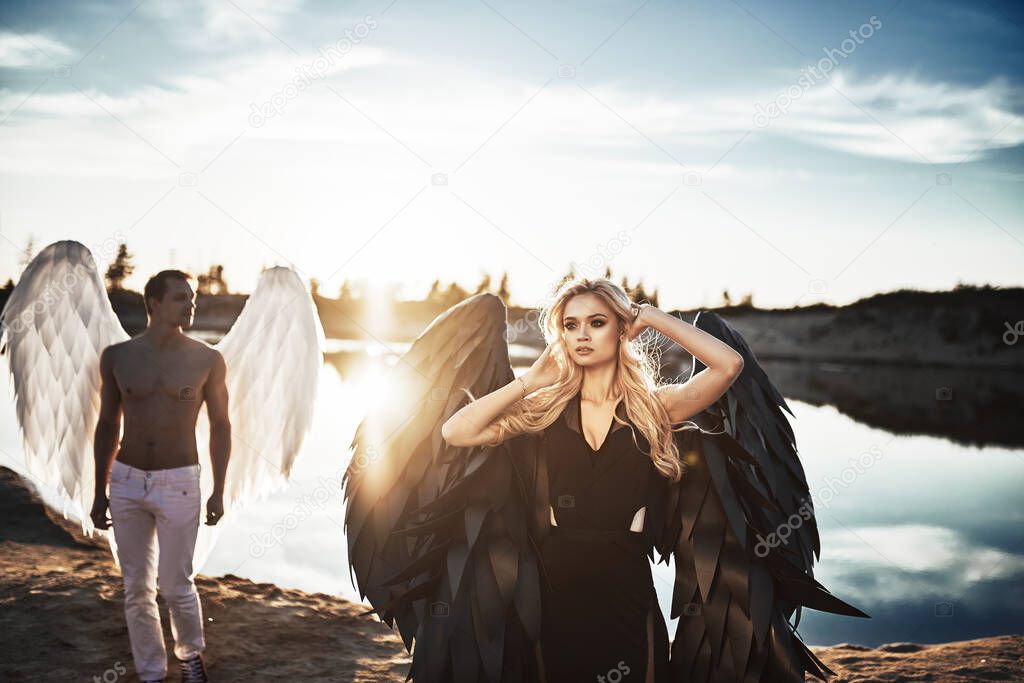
{"x":273,"y":353}
{"x":57,"y":321}
{"x":53,"y":328}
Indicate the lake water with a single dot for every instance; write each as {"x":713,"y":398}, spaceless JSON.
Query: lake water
{"x":921,"y":532}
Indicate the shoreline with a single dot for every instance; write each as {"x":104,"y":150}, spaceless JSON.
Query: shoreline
{"x":62,"y":619}
{"x":968,"y":327}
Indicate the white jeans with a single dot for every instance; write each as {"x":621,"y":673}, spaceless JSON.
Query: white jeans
{"x":152,"y":509}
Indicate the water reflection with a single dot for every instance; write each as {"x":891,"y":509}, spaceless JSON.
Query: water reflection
{"x":971,"y":406}
{"x":974,"y":407}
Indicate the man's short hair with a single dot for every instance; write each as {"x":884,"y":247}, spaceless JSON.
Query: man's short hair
{"x":157,"y":285}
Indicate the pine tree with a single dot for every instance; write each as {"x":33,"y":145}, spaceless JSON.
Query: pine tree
{"x":345,"y":291}
{"x":503,"y":292}
{"x":435,"y":290}
{"x":120,"y":269}
{"x":454,"y":295}
{"x":212,"y":282}
{"x":27,"y":254}
{"x":484,"y":285}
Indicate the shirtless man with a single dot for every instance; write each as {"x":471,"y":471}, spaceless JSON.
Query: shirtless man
{"x":159,"y":380}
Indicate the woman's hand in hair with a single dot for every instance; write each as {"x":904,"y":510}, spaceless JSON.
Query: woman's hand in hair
{"x":640,"y":323}
{"x":544,"y":372}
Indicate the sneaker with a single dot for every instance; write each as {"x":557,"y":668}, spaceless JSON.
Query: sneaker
{"x":194,"y":670}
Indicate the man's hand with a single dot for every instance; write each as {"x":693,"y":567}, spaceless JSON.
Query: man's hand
{"x":99,"y":516}
{"x":214,"y":509}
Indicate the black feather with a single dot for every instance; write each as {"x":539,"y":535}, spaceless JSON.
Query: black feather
{"x":442,"y":540}
{"x":744,"y":480}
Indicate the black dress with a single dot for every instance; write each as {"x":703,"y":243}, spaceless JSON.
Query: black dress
{"x":600,"y":615}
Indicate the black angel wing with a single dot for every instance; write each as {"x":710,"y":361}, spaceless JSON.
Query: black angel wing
{"x":443,"y":540}
{"x":741,"y":527}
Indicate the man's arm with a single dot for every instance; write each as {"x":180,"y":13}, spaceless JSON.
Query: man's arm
{"x":108,"y":429}
{"x":215,"y":393}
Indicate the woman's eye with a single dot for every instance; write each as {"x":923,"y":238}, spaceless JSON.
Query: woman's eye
{"x":598,"y":323}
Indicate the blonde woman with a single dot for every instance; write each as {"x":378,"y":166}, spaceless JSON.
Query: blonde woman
{"x":607,"y":431}
{"x":516,"y":547}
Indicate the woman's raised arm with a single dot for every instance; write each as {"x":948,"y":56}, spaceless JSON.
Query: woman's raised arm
{"x":684,"y":400}
{"x":473,"y":424}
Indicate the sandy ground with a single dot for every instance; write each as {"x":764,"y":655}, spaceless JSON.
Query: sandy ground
{"x":61,"y":619}
{"x":1000,"y":658}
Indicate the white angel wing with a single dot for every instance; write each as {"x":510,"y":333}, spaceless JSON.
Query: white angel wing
{"x":273,"y":353}
{"x":57,"y":321}
{"x":55,"y":324}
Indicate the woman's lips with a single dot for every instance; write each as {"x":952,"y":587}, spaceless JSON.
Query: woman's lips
{"x":585,"y":351}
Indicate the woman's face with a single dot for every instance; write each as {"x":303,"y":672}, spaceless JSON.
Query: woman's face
{"x":587,"y":322}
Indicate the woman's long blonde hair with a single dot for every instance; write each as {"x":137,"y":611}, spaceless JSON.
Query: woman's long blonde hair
{"x":636,"y":378}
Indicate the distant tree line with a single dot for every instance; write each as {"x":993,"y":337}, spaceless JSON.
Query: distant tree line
{"x":440,"y":294}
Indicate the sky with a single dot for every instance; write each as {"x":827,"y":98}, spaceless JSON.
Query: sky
{"x":799,"y":152}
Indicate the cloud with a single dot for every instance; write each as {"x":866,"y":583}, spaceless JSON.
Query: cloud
{"x":223,"y":23}
{"x":445,"y":109}
{"x":19,"y":50}
{"x":192,"y":114}
{"x":895,"y":117}
{"x":902,"y":117}
{"x":916,"y":561}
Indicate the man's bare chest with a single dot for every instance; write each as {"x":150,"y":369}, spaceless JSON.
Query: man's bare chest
{"x":180,"y":377}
